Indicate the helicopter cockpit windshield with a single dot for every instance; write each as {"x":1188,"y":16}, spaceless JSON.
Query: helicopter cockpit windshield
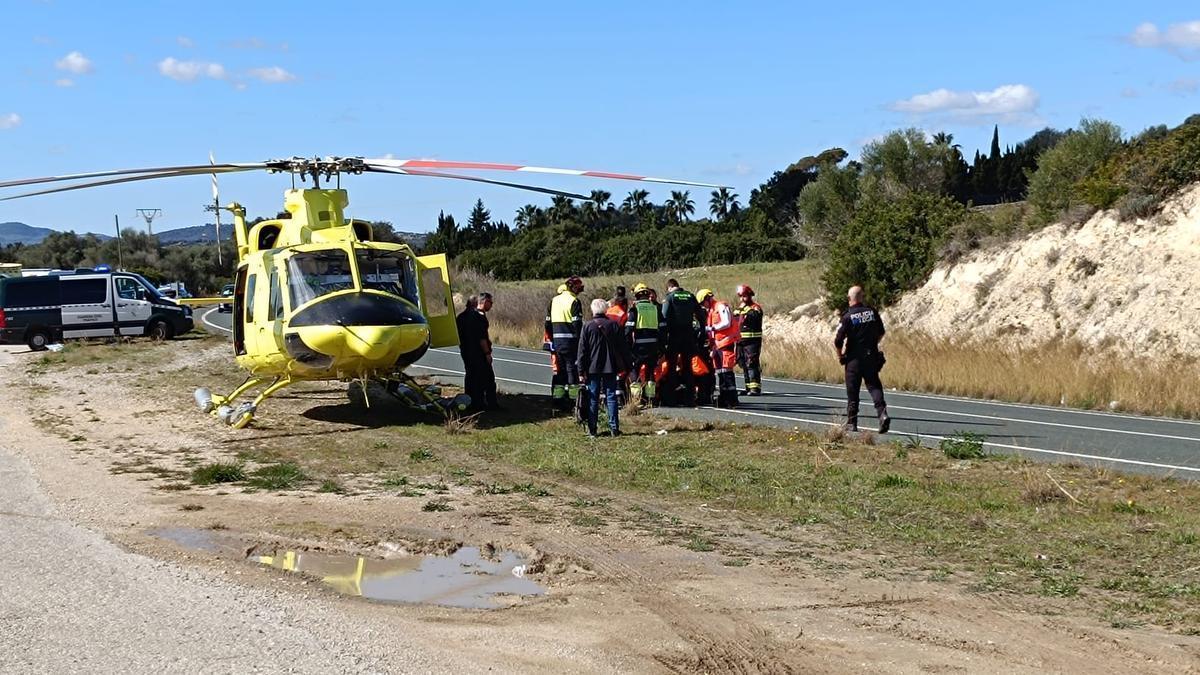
{"x":312,"y":275}
{"x":387,"y":271}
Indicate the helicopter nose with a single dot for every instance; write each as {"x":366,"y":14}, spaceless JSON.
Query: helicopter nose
{"x":372,"y":342}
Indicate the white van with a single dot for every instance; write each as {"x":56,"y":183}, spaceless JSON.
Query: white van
{"x":44,"y":309}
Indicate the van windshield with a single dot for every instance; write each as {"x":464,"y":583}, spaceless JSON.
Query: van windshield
{"x":388,"y":271}
{"x":312,"y":275}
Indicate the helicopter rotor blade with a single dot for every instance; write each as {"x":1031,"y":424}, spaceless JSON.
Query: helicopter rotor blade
{"x":122,"y":172}
{"x":129,"y":179}
{"x":490,"y":166}
{"x":477,"y":179}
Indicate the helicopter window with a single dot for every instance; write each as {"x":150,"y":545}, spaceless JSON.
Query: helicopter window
{"x":250,"y":298}
{"x":312,"y":275}
{"x":436,"y":302}
{"x":275,"y":309}
{"x":387,"y":271}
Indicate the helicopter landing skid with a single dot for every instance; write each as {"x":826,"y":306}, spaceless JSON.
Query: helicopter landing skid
{"x":240,"y":415}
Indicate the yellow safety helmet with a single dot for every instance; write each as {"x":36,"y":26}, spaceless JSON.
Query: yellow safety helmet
{"x":704,"y":294}
{"x":640,"y":287}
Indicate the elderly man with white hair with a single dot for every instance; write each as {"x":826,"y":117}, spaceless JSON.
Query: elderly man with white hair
{"x":603,"y":354}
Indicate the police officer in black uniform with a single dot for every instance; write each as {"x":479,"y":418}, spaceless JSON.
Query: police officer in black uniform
{"x":859,"y":333}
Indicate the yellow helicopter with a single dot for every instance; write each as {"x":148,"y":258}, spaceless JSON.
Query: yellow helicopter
{"x":315,"y":296}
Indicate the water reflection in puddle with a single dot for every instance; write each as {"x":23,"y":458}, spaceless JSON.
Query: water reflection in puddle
{"x":464,"y":579}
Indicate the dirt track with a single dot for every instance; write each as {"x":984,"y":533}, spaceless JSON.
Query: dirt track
{"x":623,"y":594}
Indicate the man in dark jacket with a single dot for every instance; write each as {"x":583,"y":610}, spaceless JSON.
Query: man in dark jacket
{"x":475,"y":346}
{"x":857,"y":345}
{"x":682,"y":314}
{"x":603,"y":352}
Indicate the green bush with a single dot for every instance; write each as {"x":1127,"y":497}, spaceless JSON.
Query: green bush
{"x":963,"y":445}
{"x":890,"y":246}
{"x":1062,"y":177}
{"x":1155,"y":165}
{"x":277,"y":476}
{"x":218,"y":472}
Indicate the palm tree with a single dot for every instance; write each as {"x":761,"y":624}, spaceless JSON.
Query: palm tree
{"x":943,"y":138}
{"x":723,"y":203}
{"x":526,"y":215}
{"x":636,"y":202}
{"x":601,"y":199}
{"x":563,"y":208}
{"x":680,"y":206}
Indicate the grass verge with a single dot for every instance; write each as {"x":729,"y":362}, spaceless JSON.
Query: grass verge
{"x":1126,"y":545}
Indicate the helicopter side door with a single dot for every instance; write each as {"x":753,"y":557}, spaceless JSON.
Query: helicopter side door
{"x":437,"y":303}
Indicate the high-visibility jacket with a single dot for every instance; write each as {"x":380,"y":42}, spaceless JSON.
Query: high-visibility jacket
{"x":642,"y":323}
{"x":721,"y":325}
{"x":618,"y":314}
{"x":750,"y":322}
{"x":564,"y":319}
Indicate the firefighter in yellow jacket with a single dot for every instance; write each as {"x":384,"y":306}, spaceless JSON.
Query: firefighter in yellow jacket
{"x":750,"y":330}
{"x":564,"y":321}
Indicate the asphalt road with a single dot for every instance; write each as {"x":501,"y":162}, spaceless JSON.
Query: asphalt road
{"x":1126,"y":442}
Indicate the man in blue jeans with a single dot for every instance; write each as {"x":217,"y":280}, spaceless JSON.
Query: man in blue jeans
{"x":603,"y":353}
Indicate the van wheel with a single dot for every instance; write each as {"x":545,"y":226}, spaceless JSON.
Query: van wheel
{"x":159,"y":330}
{"x":37,"y":340}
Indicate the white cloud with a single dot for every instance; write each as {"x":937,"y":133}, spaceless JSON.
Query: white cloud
{"x":189,"y":71}
{"x":1181,"y":39}
{"x":64,"y":82}
{"x":273,"y":74}
{"x":1006,"y":100}
{"x":1129,"y":92}
{"x":1184,"y":85}
{"x":185,"y":42}
{"x":74,"y":63}
{"x":10,"y":121}
{"x":248,"y":43}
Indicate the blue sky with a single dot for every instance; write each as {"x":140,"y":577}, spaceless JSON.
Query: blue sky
{"x":708,"y":91}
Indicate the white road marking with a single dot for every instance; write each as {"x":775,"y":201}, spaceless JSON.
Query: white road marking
{"x":935,"y":437}
{"x":1021,"y":406}
{"x":459,"y":372}
{"x":958,"y":414}
{"x":1059,"y":453}
{"x":959,"y":399}
{"x":1024,"y":421}
{"x":204,"y":319}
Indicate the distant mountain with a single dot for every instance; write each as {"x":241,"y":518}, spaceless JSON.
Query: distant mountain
{"x":20,"y":233}
{"x":199,"y":234}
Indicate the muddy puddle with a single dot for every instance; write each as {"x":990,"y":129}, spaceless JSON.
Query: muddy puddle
{"x":465,"y":578}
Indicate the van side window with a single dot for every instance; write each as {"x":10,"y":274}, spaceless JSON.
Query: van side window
{"x":84,"y":291}
{"x":275,"y":310}
{"x":250,"y":297}
{"x":127,"y":288}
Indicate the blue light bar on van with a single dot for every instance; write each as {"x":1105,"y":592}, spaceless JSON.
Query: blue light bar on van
{"x":102,"y":268}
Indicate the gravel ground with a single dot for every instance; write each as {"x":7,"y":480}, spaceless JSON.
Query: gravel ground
{"x":71,"y":601}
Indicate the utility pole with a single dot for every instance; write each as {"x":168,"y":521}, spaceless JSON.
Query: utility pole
{"x":117,"y":220}
{"x":149,"y":215}
{"x":216,"y":206}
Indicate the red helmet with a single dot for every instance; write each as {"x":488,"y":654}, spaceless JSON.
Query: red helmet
{"x":575,"y":284}
{"x":744,"y":291}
